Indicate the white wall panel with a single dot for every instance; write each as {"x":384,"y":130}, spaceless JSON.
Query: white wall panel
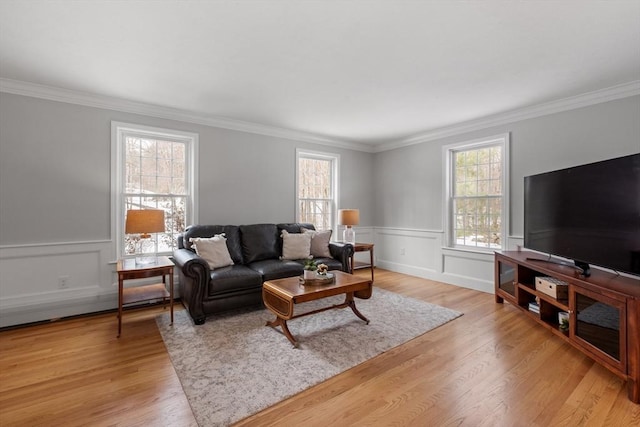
{"x":468,"y":269}
{"x":420,"y":253}
{"x":30,"y":281}
{"x":415,"y":252}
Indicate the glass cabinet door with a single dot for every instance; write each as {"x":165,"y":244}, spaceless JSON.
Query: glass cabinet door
{"x":600,"y":323}
{"x":507,"y":277}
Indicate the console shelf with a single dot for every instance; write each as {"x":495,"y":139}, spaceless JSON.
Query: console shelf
{"x":604,"y":310}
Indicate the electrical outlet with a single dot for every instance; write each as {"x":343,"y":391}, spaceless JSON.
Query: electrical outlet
{"x":63,"y":282}
{"x":402,"y":252}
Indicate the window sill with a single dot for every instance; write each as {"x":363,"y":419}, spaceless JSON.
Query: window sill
{"x":487,"y":252}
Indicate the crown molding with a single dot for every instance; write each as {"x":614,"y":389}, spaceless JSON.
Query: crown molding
{"x":584,"y":100}
{"x":118,"y":104}
{"x":50,"y":93}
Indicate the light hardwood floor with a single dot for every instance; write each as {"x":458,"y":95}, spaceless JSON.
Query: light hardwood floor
{"x":491,"y":367}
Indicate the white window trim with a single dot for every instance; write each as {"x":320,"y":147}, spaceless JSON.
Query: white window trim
{"x":447,"y":160}
{"x":335,"y":161}
{"x":118,"y":131}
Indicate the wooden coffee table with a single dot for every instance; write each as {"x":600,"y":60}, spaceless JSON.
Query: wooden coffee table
{"x":281,"y":295}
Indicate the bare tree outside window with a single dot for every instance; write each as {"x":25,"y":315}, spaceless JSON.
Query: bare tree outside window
{"x":155,"y":178}
{"x":477,"y":197}
{"x":315,"y":193}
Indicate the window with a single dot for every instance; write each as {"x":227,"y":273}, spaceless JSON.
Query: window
{"x":154,"y":169}
{"x":477,"y":193}
{"x":316,"y":188}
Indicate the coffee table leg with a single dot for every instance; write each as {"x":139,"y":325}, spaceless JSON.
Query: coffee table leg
{"x":349,"y":301}
{"x":285,"y":329}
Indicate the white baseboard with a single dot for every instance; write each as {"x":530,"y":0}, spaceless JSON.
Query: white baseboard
{"x":43,"y":311}
{"x":411,"y":270}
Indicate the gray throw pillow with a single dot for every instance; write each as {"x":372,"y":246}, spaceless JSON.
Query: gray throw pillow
{"x":319,"y":242}
{"x":213,"y":250}
{"x":295,"y":245}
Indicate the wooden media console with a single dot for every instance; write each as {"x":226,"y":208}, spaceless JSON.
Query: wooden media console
{"x":604,"y":309}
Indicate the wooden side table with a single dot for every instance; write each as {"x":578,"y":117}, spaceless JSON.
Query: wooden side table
{"x":129,"y":270}
{"x":363,"y":247}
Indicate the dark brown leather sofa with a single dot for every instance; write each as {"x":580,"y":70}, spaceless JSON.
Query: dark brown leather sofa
{"x":255,"y":250}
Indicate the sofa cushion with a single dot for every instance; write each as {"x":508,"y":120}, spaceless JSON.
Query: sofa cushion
{"x":231,"y":232}
{"x":259,"y":241}
{"x":213,"y":249}
{"x":233,"y":278}
{"x":295,"y":245}
{"x":295,"y":227}
{"x":319,"y":242}
{"x":271,"y":269}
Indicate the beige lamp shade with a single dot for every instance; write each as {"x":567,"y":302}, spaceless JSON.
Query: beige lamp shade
{"x":349,"y":217}
{"x":144,"y":221}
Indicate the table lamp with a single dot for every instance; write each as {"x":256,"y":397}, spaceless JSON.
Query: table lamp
{"x":144,"y":222}
{"x":349,"y":218}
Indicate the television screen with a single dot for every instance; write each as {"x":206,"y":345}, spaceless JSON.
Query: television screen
{"x":589,"y":213}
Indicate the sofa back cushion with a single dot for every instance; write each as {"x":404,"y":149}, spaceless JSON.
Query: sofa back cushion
{"x":231,"y":232}
{"x":259,"y":241}
{"x":295,"y":227}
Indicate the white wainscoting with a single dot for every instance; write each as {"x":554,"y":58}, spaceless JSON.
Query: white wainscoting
{"x":30,"y":275}
{"x":414,"y":252}
{"x":468,"y":269}
{"x":421,"y":253}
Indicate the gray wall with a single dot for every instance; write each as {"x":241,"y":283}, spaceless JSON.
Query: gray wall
{"x":55,"y":195}
{"x":55,"y":198}
{"x":409,"y":181}
{"x":247,"y":178}
{"x":55,"y":172}
{"x":409,"y":206}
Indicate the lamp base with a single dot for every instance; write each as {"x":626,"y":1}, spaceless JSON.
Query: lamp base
{"x":349,"y":235}
{"x":147,"y":253}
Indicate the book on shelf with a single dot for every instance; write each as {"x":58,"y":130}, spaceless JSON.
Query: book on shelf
{"x":534,"y":307}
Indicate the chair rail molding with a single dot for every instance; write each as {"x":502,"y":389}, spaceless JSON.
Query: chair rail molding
{"x":45,"y":281}
{"x":420,"y":252}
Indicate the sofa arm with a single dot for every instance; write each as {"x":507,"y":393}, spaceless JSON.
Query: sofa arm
{"x":343,"y":253}
{"x":194,"y":275}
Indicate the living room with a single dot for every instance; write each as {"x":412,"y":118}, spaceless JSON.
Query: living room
{"x":56,"y":162}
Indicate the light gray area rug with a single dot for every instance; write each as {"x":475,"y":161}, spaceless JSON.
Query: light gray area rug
{"x":234,"y":366}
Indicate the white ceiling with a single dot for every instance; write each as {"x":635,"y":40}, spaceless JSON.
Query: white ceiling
{"x":369,"y":72}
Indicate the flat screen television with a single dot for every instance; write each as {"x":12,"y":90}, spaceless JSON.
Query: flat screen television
{"x":589,"y":214}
